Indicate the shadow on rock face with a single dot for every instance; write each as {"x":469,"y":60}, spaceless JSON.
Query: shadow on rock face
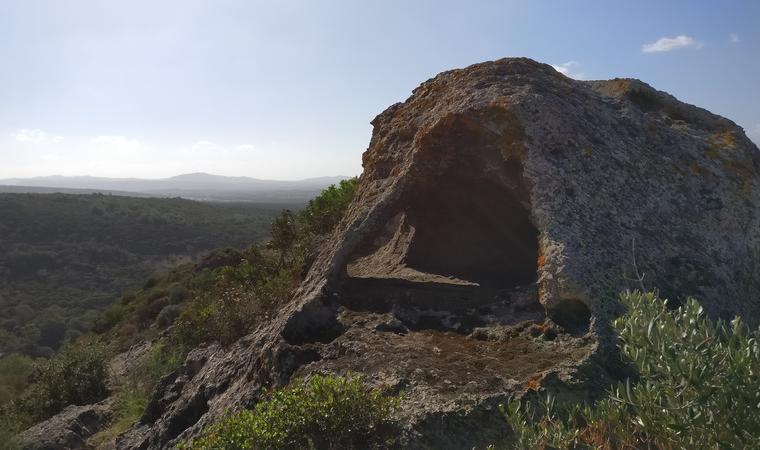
{"x":474,"y":230}
{"x":572,"y":314}
{"x":316,"y":322}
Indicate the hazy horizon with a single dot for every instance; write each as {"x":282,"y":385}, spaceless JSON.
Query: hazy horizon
{"x":58,"y":175}
{"x":286,"y":90}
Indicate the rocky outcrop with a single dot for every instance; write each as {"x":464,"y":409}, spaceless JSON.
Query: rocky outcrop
{"x":501,"y":209}
{"x":67,"y":430}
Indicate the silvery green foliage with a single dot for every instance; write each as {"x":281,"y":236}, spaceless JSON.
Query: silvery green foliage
{"x":699,"y":387}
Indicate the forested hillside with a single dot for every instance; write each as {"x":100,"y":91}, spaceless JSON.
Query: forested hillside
{"x":64,"y":258}
{"x":146,"y":333}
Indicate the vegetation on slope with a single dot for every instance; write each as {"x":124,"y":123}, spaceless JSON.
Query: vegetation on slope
{"x":227,"y":293}
{"x":699,"y":388}
{"x":323,"y":412}
{"x":220,"y":298}
{"x":77,"y":375}
{"x":64,"y":258}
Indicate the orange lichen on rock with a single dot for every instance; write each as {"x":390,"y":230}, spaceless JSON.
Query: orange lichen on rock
{"x":534,"y":383}
{"x":725,"y":140}
{"x":541,"y":261}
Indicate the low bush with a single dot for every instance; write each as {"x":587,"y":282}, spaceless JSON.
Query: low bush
{"x":196,"y":323}
{"x":8,"y":439}
{"x":75,"y":376}
{"x":162,"y":359}
{"x":324,"y":212}
{"x":231,"y":309}
{"x":15,"y":370}
{"x":324,"y":412}
{"x":167,"y":316}
{"x":699,"y":387}
{"x":178,"y":294}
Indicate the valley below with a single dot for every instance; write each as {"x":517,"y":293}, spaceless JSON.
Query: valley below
{"x":65,"y":258}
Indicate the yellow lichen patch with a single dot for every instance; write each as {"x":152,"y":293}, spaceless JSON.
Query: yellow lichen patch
{"x":724,"y":140}
{"x":614,"y":88}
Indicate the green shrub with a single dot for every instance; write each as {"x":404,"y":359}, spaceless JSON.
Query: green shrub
{"x":242,"y":295}
{"x":196,"y":323}
{"x":698,"y":387}
{"x":284,"y":235}
{"x":12,"y":422}
{"x":128,"y":406}
{"x":254,"y":268}
{"x":8,"y":440}
{"x":168,"y":315}
{"x":178,"y":294}
{"x":75,"y":376}
{"x":162,"y":359}
{"x":325,"y":412}
{"x":15,"y":370}
{"x":325,"y":211}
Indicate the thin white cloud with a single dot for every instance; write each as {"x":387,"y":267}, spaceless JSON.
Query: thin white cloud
{"x":734,"y":38}
{"x":569,"y":69}
{"x":666,"y":44}
{"x":35,"y":137}
{"x":120,"y":146}
{"x":203,"y":147}
{"x":245,"y":147}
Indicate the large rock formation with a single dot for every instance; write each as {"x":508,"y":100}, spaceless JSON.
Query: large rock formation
{"x":495,"y":196}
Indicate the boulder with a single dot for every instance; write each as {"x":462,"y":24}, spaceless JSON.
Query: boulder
{"x":501,"y":210}
{"x":67,"y":430}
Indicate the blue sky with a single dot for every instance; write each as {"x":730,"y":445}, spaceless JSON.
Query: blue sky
{"x":286,"y":89}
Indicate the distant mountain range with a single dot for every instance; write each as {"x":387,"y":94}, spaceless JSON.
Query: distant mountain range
{"x":196,"y":186}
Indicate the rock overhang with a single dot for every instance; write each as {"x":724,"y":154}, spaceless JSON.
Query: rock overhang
{"x":610,"y":173}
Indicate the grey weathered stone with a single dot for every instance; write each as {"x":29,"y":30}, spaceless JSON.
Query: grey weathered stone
{"x":67,"y":430}
{"x":495,"y":195}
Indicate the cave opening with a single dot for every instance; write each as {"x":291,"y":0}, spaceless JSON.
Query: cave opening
{"x":474,"y":229}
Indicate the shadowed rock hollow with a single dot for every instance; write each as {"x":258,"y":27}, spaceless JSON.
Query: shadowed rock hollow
{"x":501,"y":209}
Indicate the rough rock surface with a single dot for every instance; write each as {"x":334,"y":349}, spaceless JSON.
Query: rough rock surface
{"x":67,"y":430}
{"x":495,"y":196}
